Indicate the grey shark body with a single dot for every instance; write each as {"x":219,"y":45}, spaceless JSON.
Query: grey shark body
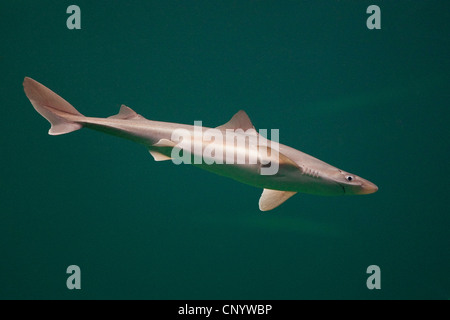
{"x":296,"y":171}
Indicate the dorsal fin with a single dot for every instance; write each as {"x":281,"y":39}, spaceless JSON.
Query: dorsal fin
{"x":239,"y":121}
{"x":126,"y":113}
{"x":270,"y":199}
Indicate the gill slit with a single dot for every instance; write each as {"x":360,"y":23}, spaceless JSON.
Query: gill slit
{"x":310,"y":172}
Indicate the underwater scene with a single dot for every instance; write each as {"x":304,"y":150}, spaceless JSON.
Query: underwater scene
{"x":356,"y":92}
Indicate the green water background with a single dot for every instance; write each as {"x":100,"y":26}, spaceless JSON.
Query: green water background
{"x":373,"y":102}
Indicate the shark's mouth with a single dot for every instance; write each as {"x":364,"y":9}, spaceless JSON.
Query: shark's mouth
{"x":341,"y":186}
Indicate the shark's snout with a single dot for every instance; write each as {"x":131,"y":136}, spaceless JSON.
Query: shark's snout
{"x":367,"y":187}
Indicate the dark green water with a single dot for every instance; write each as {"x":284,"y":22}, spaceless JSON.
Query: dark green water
{"x":373,"y":102}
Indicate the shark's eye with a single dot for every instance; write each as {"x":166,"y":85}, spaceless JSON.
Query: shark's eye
{"x":349,"y":178}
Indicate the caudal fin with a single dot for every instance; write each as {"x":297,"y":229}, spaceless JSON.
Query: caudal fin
{"x":52,"y":107}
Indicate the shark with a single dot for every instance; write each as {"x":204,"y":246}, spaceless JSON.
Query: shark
{"x":295,"y":171}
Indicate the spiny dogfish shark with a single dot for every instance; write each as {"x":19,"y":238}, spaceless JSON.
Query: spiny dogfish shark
{"x":280,"y":170}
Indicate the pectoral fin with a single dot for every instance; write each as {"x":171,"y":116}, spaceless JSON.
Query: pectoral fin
{"x":270,"y":199}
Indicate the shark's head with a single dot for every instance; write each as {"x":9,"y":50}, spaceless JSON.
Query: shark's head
{"x":352,"y":184}
{"x":319,"y":178}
